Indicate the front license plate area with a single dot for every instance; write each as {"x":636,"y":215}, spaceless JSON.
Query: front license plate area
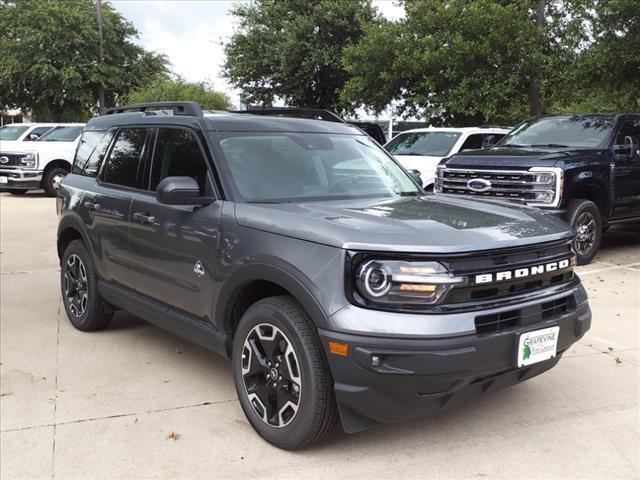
{"x":537,"y":346}
{"x":3,"y":180}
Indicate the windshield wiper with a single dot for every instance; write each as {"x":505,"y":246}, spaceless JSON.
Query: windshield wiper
{"x":511,"y":145}
{"x":550,"y":145}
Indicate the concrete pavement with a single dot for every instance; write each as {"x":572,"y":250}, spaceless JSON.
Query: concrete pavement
{"x":105,"y":404}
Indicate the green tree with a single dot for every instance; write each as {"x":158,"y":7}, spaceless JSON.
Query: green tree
{"x":50,"y":57}
{"x":462,"y":62}
{"x":164,"y":89}
{"x":292,"y":50}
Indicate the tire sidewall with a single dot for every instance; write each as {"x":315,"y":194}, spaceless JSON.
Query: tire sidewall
{"x":295,"y":432}
{"x":78,"y":248}
{"x":576,"y":211}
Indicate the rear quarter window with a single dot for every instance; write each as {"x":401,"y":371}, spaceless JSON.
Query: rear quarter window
{"x":91,"y":151}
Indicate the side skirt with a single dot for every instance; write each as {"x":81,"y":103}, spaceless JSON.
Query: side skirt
{"x":181,"y":324}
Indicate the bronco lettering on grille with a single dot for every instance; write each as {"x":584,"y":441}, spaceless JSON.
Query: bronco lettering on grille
{"x":522,"y":272}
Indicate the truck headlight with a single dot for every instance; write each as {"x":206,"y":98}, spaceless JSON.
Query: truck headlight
{"x":29,"y":160}
{"x":437,"y":181}
{"x":397,"y":283}
{"x":547,"y":186}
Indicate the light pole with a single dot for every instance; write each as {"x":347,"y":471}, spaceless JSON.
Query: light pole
{"x":100,"y":27}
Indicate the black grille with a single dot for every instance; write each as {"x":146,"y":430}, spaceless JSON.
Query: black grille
{"x":509,"y":184}
{"x":510,"y":319}
{"x":13,"y":160}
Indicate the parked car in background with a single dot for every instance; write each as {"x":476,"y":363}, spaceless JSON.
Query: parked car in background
{"x":422,"y":149}
{"x":39,"y":164}
{"x":583,"y":168}
{"x":23,"y":132}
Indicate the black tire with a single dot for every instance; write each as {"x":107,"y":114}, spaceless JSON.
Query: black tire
{"x":586,"y":220}
{"x":94,"y":314}
{"x":316,"y":409}
{"x":48,"y":181}
{"x":21,"y":191}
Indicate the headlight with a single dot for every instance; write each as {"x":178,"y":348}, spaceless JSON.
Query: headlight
{"x":547,"y":187}
{"x":29,"y":160}
{"x":397,"y":283}
{"x":437,"y":181}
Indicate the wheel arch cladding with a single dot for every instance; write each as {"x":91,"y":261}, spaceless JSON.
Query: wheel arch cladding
{"x":68,"y":231}
{"x":255,"y":282}
{"x":58,"y":163}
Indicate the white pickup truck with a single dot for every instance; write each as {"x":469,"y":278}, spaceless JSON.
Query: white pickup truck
{"x":42,"y":163}
{"x":422,"y":149}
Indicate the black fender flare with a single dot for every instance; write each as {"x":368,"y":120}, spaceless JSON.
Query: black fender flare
{"x":70,"y":222}
{"x":295,"y":283}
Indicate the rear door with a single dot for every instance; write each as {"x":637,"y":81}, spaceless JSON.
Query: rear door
{"x":174,"y":247}
{"x":627,"y":170}
{"x":107,"y":205}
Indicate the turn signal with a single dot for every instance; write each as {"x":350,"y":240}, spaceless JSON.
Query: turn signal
{"x":337,"y":348}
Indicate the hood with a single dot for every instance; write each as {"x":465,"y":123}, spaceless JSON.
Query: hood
{"x":425,"y":224}
{"x":424,"y":158}
{"x":505,"y":157}
{"x":40,"y":147}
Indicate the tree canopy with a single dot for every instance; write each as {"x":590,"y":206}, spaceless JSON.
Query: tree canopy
{"x":164,"y":89}
{"x":50,"y":57}
{"x":293,"y":49}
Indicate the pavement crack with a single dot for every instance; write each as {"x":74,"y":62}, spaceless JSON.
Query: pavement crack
{"x":55,"y":397}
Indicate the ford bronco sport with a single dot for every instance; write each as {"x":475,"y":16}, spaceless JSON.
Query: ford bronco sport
{"x":583,"y":168}
{"x":303,"y":252}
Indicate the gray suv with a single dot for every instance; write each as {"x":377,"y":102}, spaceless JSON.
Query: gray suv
{"x":303,"y":252}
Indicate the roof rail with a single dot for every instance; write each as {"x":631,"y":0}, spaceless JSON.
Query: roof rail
{"x":179,"y":108}
{"x":495,"y":126}
{"x":310,"y":113}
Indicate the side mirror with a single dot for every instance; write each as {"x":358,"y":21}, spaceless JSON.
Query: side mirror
{"x":32,"y":137}
{"x":180,"y":191}
{"x":415,"y":174}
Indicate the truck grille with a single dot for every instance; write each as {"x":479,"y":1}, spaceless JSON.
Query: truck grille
{"x":515,"y":185}
{"x":12,"y":160}
{"x":509,"y":259}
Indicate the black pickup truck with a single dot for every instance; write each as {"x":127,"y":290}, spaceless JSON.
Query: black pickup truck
{"x":583,"y":168}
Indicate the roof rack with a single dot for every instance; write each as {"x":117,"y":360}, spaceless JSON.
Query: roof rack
{"x":310,"y":113}
{"x":495,"y":126}
{"x":179,"y":108}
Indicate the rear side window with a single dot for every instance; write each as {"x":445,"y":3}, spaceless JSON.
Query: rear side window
{"x":37,"y":132}
{"x":126,"y":154}
{"x":91,"y":151}
{"x":178,"y":154}
{"x":473,"y":142}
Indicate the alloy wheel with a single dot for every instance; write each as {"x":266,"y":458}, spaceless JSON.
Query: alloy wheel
{"x":76,"y":286}
{"x":586,"y":231}
{"x":271,"y":375}
{"x":55,"y":181}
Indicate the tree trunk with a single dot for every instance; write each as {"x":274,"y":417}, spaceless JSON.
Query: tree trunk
{"x":534,"y":92}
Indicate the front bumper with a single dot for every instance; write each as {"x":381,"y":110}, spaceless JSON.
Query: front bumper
{"x":418,"y":376}
{"x":19,"y":179}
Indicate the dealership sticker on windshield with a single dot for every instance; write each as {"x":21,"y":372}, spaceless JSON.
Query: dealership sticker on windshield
{"x":537,"y":346}
{"x":3,"y":180}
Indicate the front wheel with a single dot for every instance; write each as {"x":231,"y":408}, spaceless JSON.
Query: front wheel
{"x":51,"y":180}
{"x":282,"y":379}
{"x":585,"y":219}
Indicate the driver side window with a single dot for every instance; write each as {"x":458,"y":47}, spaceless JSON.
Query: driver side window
{"x":178,"y":154}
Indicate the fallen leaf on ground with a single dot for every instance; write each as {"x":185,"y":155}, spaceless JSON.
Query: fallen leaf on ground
{"x":173,"y":436}
{"x":611,"y":349}
{"x":179,"y":352}
{"x":6,"y":394}
{"x":618,"y":360}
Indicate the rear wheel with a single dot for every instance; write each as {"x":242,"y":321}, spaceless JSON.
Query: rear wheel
{"x":281,"y":377}
{"x":586,"y":220}
{"x":82,"y":301}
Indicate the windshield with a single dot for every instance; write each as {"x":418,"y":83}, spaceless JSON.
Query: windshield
{"x":434,"y":144}
{"x":288,"y":167}
{"x":12,"y":132}
{"x":61,"y":134}
{"x":576,"y":131}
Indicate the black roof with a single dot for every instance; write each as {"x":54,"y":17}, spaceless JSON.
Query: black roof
{"x":189,"y":114}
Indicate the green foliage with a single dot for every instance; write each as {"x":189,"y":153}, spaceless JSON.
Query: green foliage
{"x":164,"y":89}
{"x":50,"y":57}
{"x":463,"y":62}
{"x":292,"y":50}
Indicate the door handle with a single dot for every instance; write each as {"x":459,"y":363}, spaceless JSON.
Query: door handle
{"x":144,"y":218}
{"x":91,"y":205}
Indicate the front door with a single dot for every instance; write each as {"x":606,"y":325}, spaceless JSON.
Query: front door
{"x":174,"y":247}
{"x":627,"y":170}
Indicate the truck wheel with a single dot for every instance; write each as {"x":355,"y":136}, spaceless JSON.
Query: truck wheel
{"x":281,"y":376}
{"x":82,"y":301}
{"x":52,"y":179}
{"x":21,"y":191}
{"x":586,"y":220}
